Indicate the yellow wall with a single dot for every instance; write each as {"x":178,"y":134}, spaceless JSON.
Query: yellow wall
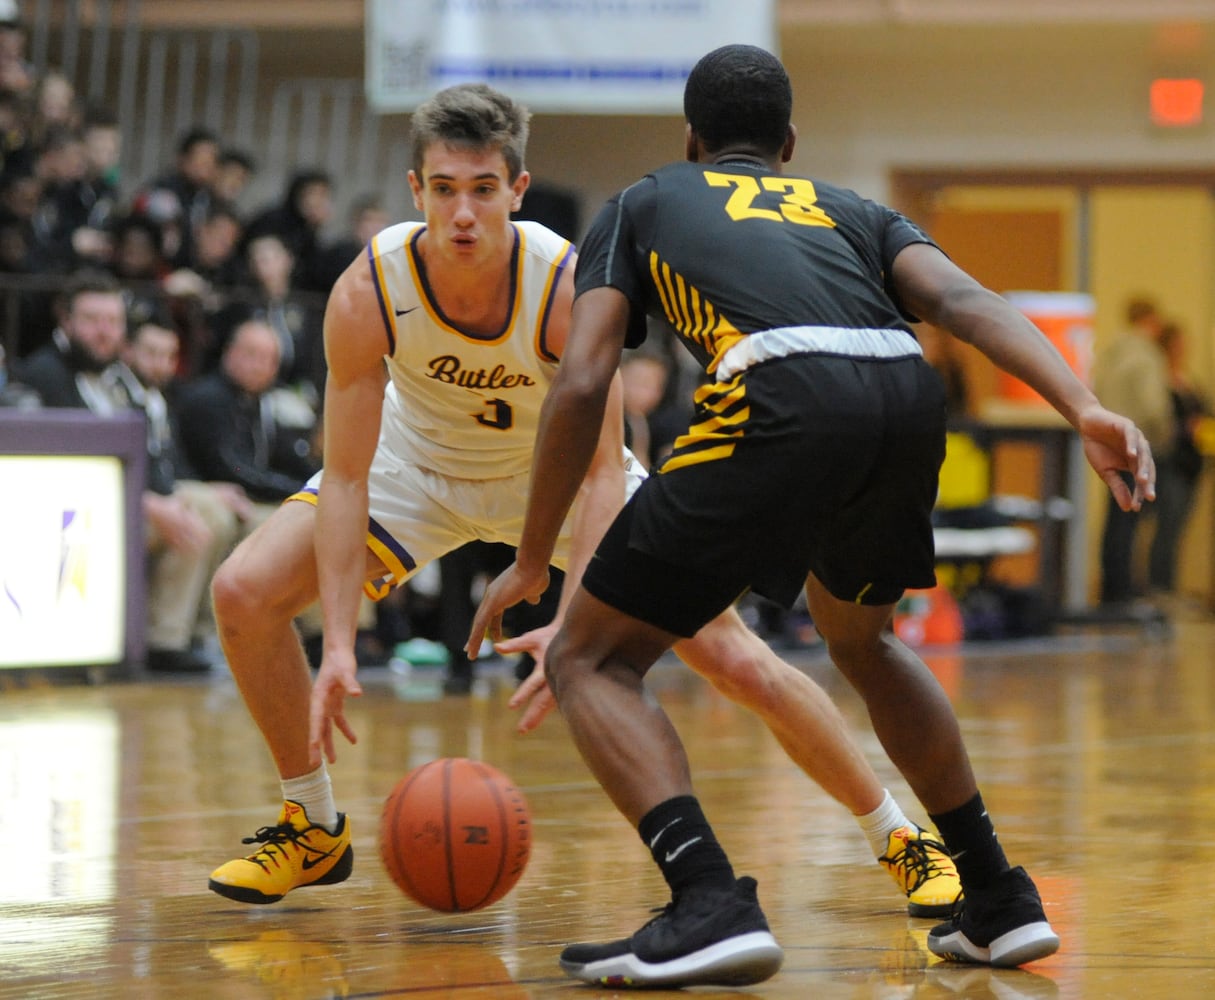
{"x":1158,"y":241}
{"x":1115,"y":242}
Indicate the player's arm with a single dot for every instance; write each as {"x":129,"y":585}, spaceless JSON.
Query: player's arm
{"x":598,"y":501}
{"x":601,"y":494}
{"x":570,"y":425}
{"x":939,"y":292}
{"x":355,"y":344}
{"x":572,"y":420}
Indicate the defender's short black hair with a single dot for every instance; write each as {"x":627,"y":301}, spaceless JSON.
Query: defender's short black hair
{"x":739,"y":94}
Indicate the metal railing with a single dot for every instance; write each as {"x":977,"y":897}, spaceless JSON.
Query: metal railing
{"x":159,"y":83}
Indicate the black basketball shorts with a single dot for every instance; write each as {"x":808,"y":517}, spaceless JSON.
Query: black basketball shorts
{"x":823,"y":465}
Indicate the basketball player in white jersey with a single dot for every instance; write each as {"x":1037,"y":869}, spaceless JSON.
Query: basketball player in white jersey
{"x":469,"y":311}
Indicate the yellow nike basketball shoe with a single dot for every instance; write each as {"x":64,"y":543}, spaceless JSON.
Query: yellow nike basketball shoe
{"x":294,"y":853}
{"x":924,"y":871}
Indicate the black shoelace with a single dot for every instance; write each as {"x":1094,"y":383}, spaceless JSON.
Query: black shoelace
{"x":277,"y":836}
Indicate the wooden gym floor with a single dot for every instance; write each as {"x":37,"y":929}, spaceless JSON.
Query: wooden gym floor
{"x":1096,"y":753}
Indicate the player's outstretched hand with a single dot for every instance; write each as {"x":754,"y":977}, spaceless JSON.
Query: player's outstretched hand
{"x":533,"y":694}
{"x":1114,"y":445}
{"x":334,"y":681}
{"x":510,"y":587}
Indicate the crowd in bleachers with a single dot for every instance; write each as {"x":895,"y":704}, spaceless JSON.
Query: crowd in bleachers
{"x":207,"y":291}
{"x":185,"y":244}
{"x":170,"y":295}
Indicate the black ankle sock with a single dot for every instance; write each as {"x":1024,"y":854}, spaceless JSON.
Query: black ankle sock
{"x":971,"y":839}
{"x":683,"y":845}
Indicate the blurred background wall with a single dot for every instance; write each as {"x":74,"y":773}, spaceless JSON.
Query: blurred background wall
{"x":1018,"y":132}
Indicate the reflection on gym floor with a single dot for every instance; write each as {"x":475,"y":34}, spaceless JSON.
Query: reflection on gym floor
{"x":1096,"y":753}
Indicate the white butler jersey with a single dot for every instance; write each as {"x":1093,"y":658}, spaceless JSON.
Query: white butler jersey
{"x":462,"y":404}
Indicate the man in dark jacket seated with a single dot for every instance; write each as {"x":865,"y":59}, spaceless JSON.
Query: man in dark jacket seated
{"x":229,"y":428}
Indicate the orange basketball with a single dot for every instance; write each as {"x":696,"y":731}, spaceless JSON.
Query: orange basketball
{"x":455,"y":834}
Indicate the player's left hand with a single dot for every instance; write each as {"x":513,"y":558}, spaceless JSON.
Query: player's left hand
{"x":335,"y":680}
{"x":533,"y":694}
{"x":510,"y":587}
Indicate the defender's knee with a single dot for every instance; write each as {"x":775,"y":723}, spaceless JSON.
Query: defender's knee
{"x":560,"y":666}
{"x":572,"y":667}
{"x":859,"y":655}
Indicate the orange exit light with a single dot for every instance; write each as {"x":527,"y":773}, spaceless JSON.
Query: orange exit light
{"x":1176,"y":103}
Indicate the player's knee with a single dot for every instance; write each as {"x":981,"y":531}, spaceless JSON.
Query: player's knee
{"x":568,"y":664}
{"x":226,"y":589}
{"x":235,"y":596}
{"x":736,"y":662}
{"x":558,"y":665}
{"x":743,"y":676}
{"x":855,"y":651}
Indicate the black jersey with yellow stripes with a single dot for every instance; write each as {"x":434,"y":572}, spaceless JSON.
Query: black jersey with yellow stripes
{"x":726,"y":249}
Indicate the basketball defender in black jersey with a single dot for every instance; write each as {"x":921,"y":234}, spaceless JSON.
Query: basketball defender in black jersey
{"x":811,"y":462}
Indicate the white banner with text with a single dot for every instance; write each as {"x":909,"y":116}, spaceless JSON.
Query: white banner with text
{"x":559,"y":56}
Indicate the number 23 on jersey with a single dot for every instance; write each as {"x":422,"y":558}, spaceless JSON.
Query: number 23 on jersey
{"x":799,"y":204}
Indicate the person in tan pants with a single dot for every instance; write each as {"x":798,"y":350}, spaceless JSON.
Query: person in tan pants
{"x":191,"y":525}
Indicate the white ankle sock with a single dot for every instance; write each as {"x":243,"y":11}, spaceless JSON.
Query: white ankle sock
{"x":881,"y":823}
{"x":314,"y":792}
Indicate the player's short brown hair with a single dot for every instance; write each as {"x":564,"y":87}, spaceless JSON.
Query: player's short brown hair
{"x":472,"y":116}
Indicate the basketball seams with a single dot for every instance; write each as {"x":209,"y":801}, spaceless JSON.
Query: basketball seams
{"x":488,"y":780}
{"x":448,"y":847}
{"x":455,"y":838}
{"x":398,"y":864}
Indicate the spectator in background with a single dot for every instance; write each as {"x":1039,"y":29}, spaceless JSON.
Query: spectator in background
{"x":23,"y":252}
{"x":60,"y":166}
{"x":1131,"y":377}
{"x":20,"y":196}
{"x":200,"y":289}
{"x":214,"y":253}
{"x":85,"y":201}
{"x":366,"y":218}
{"x":90,"y":205}
{"x":227,"y":426}
{"x":16,"y":151}
{"x":458,"y":574}
{"x":103,"y":149}
{"x":17,"y":74}
{"x":644,"y":377}
{"x":76,"y":369}
{"x":300,"y":220}
{"x":294,"y":316}
{"x":13,"y":393}
{"x":191,"y":525}
{"x":179,"y":200}
{"x":54,"y":106}
{"x":15,"y":243}
{"x":138,"y":263}
{"x":1178,"y":466}
{"x":233,"y":175}
{"x":553,"y":206}
{"x":186,"y":535}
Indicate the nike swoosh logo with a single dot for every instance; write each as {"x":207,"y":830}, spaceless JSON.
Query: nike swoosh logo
{"x":672,"y":855}
{"x":658,"y":835}
{"x":312,"y":863}
{"x":405,"y":312}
